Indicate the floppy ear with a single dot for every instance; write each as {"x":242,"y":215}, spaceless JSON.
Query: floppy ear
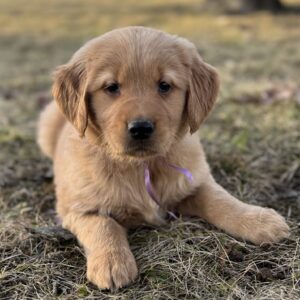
{"x":202,"y":92}
{"x":69,"y":91}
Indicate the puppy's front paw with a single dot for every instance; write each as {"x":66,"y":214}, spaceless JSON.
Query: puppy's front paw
{"x":263,"y":226}
{"x":110,"y":269}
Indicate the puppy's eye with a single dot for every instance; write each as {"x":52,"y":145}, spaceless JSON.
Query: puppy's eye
{"x":113,"y":88}
{"x":164,"y":87}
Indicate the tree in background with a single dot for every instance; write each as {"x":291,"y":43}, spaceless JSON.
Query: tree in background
{"x":256,"y":5}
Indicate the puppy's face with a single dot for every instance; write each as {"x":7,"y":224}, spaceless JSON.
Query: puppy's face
{"x":139,"y":89}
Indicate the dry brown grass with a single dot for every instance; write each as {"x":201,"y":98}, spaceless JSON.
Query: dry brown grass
{"x":253,"y":149}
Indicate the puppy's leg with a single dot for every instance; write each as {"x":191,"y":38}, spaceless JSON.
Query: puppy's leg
{"x":110,"y":262}
{"x":253,"y":223}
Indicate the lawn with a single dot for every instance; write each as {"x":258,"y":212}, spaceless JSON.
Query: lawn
{"x":252,"y":141}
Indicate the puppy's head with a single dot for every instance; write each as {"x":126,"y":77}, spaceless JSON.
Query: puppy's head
{"x":138,"y":89}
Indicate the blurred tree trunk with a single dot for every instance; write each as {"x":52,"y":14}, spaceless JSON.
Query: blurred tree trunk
{"x":255,"y":5}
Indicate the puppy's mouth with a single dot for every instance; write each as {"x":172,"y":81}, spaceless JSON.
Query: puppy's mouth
{"x":140,"y":150}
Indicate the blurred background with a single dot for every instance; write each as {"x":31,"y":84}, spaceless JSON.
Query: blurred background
{"x":252,"y":138}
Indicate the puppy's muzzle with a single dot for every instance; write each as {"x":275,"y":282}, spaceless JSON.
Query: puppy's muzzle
{"x":140,"y":129}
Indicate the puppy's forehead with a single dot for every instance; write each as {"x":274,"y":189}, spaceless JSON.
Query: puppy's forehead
{"x":135,"y":53}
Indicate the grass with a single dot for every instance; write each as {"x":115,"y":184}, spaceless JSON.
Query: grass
{"x":253,"y":149}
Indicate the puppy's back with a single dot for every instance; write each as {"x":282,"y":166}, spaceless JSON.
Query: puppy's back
{"x":49,"y":127}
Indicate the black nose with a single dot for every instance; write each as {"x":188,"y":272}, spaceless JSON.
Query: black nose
{"x":140,"y":129}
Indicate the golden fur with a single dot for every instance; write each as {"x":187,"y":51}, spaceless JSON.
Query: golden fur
{"x":99,"y":173}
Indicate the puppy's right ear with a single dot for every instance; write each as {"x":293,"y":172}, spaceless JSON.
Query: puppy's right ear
{"x":202,"y":93}
{"x":69,"y":91}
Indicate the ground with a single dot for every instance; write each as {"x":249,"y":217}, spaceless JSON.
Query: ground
{"x":252,"y":141}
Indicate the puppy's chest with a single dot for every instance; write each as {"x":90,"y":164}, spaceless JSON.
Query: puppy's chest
{"x":130,"y":201}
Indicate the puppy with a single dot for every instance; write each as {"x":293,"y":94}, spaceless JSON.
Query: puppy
{"x":123,"y":126}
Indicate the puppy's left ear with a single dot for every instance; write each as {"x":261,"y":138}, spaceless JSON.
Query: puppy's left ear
{"x":69,"y":91}
{"x":202,"y":92}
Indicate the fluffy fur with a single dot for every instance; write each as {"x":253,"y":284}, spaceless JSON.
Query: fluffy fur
{"x":99,"y":170}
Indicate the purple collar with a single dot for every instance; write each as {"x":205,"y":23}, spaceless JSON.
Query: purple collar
{"x":151,"y":190}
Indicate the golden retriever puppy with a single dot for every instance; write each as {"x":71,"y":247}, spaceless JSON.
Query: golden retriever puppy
{"x":122,"y":134}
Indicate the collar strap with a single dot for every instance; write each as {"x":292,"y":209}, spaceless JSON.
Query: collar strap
{"x":151,"y":191}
